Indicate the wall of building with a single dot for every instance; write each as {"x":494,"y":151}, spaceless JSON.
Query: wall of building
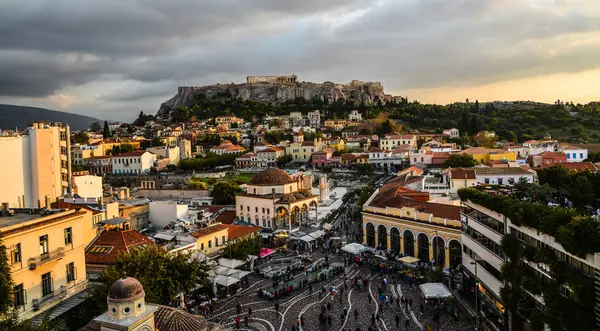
{"x":87,"y":186}
{"x":29,"y":239}
{"x":172,"y":194}
{"x":212,"y":243}
{"x":164,"y":212}
{"x":16,"y":174}
{"x":252,"y":209}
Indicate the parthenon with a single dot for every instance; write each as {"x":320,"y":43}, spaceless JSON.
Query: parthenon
{"x":271,"y":79}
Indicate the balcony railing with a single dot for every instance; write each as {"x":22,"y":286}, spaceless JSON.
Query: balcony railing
{"x":39,"y":260}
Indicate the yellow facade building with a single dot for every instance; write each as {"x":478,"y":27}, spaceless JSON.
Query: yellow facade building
{"x":398,"y":219}
{"x":47,"y":257}
{"x":484,"y":155}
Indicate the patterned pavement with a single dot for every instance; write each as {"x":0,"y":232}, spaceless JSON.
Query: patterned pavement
{"x":349,"y":309}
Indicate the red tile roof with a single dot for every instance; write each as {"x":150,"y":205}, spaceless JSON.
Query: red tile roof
{"x":238,"y":231}
{"x":209,"y":230}
{"x":109,"y":244}
{"x":133,"y":153}
{"x":226,"y":217}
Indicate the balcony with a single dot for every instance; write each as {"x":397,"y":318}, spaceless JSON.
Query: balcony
{"x":51,"y":256}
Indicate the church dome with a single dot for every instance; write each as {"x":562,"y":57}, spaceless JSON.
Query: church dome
{"x":271,"y":176}
{"x":125,"y":290}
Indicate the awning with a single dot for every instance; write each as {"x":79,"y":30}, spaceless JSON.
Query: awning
{"x":409,"y":259}
{"x":164,"y":236}
{"x":225,"y":271}
{"x":435,"y":290}
{"x":307,"y":238}
{"x":230,"y":263}
{"x":354,"y":248}
{"x":317,"y":234}
{"x":327,"y":226}
{"x":265,"y":252}
{"x":226,"y":280}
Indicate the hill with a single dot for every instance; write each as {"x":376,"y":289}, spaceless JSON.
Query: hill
{"x":12,"y":116}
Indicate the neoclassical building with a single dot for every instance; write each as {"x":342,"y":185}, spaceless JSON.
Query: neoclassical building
{"x":399,"y":219}
{"x":274,"y":199}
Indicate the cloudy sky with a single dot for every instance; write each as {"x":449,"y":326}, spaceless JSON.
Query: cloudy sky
{"x":112,"y":58}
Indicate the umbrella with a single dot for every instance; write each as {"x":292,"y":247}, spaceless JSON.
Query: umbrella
{"x":265,"y":252}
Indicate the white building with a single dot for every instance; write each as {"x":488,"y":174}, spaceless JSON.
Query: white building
{"x":36,"y":167}
{"x":162,"y":213}
{"x":171,"y":153}
{"x":502,"y":176}
{"x":134,"y":163}
{"x":391,"y":141}
{"x":114,"y":125}
{"x":355,"y":115}
{"x":574,"y":153}
{"x":86,"y":185}
{"x":452,"y":133}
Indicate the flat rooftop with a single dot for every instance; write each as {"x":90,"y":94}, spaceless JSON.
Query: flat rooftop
{"x":26,"y":215}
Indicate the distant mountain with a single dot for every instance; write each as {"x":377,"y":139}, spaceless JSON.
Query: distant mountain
{"x":12,"y":116}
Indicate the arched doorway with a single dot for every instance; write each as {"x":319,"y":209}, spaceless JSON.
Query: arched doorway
{"x":294,"y":217}
{"x":455,"y":248}
{"x":281,"y":217}
{"x":370,"y":235}
{"x":395,"y":240}
{"x":423,"y":245}
{"x":409,"y":243}
{"x":313,"y":206}
{"x":304,"y":214}
{"x":382,"y":236}
{"x":438,"y":251}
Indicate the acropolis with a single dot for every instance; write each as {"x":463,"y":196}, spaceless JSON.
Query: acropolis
{"x":271,"y":79}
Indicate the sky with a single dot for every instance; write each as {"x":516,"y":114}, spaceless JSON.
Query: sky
{"x":112,"y":59}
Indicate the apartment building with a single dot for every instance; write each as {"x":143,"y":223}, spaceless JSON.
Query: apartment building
{"x":391,"y":141}
{"x":483,"y":258}
{"x":47,"y":257}
{"x":36,"y":166}
{"x":133,"y":163}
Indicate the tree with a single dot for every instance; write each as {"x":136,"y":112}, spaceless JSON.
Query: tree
{"x":364,"y":169}
{"x":80,"y":137}
{"x":284,"y":160}
{"x":156,"y":141}
{"x":224,"y":193}
{"x":460,"y":160}
{"x":162,"y":274}
{"x":120,"y":149}
{"x":95,"y":127}
{"x":6,"y":284}
{"x":240,"y":249}
{"x":106,"y":132}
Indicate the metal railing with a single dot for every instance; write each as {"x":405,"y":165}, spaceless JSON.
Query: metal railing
{"x":41,"y":259}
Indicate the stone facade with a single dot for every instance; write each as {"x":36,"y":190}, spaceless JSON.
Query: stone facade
{"x":271,"y":79}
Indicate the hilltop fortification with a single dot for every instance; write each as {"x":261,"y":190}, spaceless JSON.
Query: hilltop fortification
{"x":277,"y":89}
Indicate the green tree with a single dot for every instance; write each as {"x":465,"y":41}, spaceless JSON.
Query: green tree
{"x":106,"y":131}
{"x":120,"y":149}
{"x":284,"y":160}
{"x":224,"y":193}
{"x":6,"y":284}
{"x":240,"y":249}
{"x":460,"y":160}
{"x":95,"y":127}
{"x":80,"y":137}
{"x":163,"y":274}
{"x":364,"y":169}
{"x":156,"y":141}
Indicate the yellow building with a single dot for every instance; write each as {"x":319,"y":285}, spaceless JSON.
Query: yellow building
{"x":398,"y":219}
{"x":47,"y":257}
{"x":337,"y":144}
{"x":169,"y":141}
{"x":36,"y":166}
{"x":484,"y":155}
{"x":335,"y":124}
{"x":274,"y":199}
{"x":211,"y":240}
{"x":99,"y":148}
{"x":301,"y":150}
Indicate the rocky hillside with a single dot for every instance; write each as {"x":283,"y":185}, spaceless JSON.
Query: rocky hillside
{"x":367,"y":92}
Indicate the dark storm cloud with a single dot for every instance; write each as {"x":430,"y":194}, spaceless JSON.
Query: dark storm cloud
{"x":119,"y":54}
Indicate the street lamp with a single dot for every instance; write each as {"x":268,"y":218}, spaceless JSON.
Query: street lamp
{"x":476,"y":295}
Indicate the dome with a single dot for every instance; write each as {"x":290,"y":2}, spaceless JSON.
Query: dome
{"x":125,"y":290}
{"x":271,"y":176}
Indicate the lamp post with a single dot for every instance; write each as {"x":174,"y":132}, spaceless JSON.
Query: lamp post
{"x":476,"y":295}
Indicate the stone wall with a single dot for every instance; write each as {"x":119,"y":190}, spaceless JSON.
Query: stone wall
{"x":271,"y":79}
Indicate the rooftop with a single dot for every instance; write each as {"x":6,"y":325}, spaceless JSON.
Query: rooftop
{"x":109,"y":244}
{"x":23,"y":215}
{"x":209,"y":230}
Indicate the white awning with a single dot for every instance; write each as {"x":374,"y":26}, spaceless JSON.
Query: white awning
{"x":409,"y":259}
{"x":317,"y":234}
{"x":307,"y":238}
{"x":226,"y":280}
{"x":164,"y":236}
{"x":230,"y":263}
{"x":354,"y":248}
{"x":435,"y":290}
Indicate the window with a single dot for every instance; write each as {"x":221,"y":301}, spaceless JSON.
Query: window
{"x":210,"y":244}
{"x":268,"y":211}
{"x":68,"y":236}
{"x":216,"y":242}
{"x":201,"y":246}
{"x":568,"y":155}
{"x":256,"y":209}
{"x":581,"y":155}
{"x":499,"y":181}
{"x":487,"y":180}
{"x":46,"y":284}
{"x":44,"y":244}
{"x":263,"y":210}
{"x":71,"y":272}
{"x":18,"y":295}
{"x":241,"y":207}
{"x":223,"y":240}
{"x":15,"y":254}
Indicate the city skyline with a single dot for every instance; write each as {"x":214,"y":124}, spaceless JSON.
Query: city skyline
{"x":112,"y":59}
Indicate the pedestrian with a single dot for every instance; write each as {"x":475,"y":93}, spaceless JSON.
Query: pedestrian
{"x":328,"y":306}
{"x":298,"y":324}
{"x":397,"y":321}
{"x":355,"y":314}
{"x":238,"y":308}
{"x":246,"y":320}
{"x":302,"y":320}
{"x":329,"y":320}
{"x":373,"y":319}
{"x":342,"y":318}
{"x":237,"y":322}
{"x":249,"y":311}
{"x":369,"y":298}
{"x":277,"y":307}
